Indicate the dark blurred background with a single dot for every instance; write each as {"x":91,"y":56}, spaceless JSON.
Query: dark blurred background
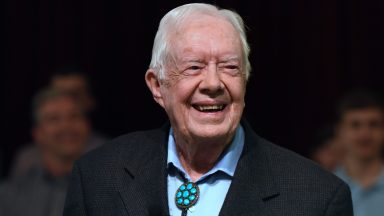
{"x":305,"y":55}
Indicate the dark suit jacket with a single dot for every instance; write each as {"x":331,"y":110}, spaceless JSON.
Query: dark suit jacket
{"x":128,"y":177}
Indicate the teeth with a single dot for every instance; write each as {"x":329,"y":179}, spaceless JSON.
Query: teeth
{"x":210,"y":107}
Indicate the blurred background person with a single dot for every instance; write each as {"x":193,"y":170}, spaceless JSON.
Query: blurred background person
{"x":361,"y":131}
{"x":327,"y":151}
{"x":71,"y":81}
{"x":60,"y":133}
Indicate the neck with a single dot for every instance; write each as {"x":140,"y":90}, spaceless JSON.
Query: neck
{"x":198,"y":157}
{"x":56,"y":166}
{"x":364,"y":171}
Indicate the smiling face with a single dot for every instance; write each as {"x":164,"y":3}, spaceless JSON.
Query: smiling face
{"x":203,"y":92}
{"x":62,"y":129}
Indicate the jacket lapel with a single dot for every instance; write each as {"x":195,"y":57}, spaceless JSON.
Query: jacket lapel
{"x":143,"y":181}
{"x":252,"y":185}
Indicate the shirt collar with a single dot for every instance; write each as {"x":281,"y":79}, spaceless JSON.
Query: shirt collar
{"x":227,"y":162}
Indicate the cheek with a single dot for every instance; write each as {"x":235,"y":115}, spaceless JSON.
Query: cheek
{"x":47,"y":135}
{"x":346,"y":136}
{"x":172,"y":99}
{"x":379,"y":136}
{"x":236,"y":89}
{"x":82,"y":128}
{"x":179,"y":92}
{"x":39,"y":136}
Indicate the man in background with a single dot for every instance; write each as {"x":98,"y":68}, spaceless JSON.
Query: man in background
{"x":361,"y":132}
{"x":60,"y":134}
{"x":70,"y":81}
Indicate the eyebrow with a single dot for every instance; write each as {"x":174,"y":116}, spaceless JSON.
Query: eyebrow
{"x":229,"y":59}
{"x":199,"y":60}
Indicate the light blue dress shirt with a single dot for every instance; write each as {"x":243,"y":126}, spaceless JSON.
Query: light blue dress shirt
{"x":366,"y":201}
{"x":213,"y":185}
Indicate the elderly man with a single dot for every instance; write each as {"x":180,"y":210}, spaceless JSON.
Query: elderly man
{"x":206,"y":161}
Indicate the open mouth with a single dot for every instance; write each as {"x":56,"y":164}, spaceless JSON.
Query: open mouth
{"x":210,"y":108}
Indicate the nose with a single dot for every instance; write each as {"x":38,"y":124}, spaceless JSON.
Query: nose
{"x":211,"y":83}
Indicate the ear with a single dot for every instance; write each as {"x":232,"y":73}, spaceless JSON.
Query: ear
{"x":153,"y":84}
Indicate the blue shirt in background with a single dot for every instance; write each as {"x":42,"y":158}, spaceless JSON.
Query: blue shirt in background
{"x":366,"y":201}
{"x":213,"y":185}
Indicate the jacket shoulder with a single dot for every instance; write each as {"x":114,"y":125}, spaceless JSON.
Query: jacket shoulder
{"x":131,"y":148}
{"x":300,"y":179}
{"x":290,"y":164}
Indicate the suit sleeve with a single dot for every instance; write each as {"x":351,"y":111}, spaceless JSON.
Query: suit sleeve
{"x":74,"y":203}
{"x":341,"y":203}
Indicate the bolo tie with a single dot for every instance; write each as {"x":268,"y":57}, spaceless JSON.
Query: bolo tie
{"x":186,"y":196}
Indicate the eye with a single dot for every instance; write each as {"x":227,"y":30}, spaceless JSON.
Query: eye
{"x":52,"y":119}
{"x":375,"y":124}
{"x":232,"y":67}
{"x":194,"y":67}
{"x":193,"y":70}
{"x":355,"y":125}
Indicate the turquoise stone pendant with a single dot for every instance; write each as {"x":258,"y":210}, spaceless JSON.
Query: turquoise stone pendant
{"x":187,"y":195}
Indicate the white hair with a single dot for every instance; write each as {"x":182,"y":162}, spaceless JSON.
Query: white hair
{"x":174,"y":18}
